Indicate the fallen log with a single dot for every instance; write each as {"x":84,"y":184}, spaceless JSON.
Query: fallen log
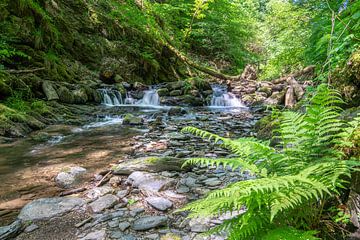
{"x":72,"y":191}
{"x":25,"y":70}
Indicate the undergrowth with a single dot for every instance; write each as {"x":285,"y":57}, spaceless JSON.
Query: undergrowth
{"x":296,"y":181}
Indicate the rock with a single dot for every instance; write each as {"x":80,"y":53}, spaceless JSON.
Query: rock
{"x":107,"y":76}
{"x":298,"y":90}
{"x":124,"y":225}
{"x":10,"y":231}
{"x":149,"y":182}
{"x":290,"y":100}
{"x":68,"y":178}
{"x":49,"y":91}
{"x":65,"y":95}
{"x":103,"y":203}
{"x":175,"y":85}
{"x":163,"y":92}
{"x":31,"y":228}
{"x":182,"y":189}
{"x":153,"y":236}
{"x":150,"y":164}
{"x":249,"y":73}
{"x":80,"y":96}
{"x":97,"y":235}
{"x":98,"y":192}
{"x":5,"y":90}
{"x":173,"y":111}
{"x":212,"y":182}
{"x":149,"y":222}
{"x":176,"y":136}
{"x":122,"y":236}
{"x":198,"y":225}
{"x":130,"y":119}
{"x":171,"y":236}
{"x":190,"y":182}
{"x":46,"y":208}
{"x":175,"y":93}
{"x":120,"y":87}
{"x":122,"y":193}
{"x":276,"y":98}
{"x":159,"y":203}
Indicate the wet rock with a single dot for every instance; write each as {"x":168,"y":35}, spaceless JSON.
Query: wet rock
{"x":124,"y":225}
{"x":97,"y":235}
{"x":149,"y":182}
{"x":159,"y":203}
{"x":103,"y":203}
{"x":130,"y":119}
{"x":122,"y":236}
{"x":46,"y":208}
{"x":49,"y":91}
{"x":146,"y":223}
{"x":176,"y":111}
{"x":10,"y":231}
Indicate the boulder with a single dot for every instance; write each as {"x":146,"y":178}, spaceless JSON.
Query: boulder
{"x":130,"y":119}
{"x":149,"y":222}
{"x":65,"y":95}
{"x":150,"y":164}
{"x":80,"y":96}
{"x":103,"y":203}
{"x":163,"y":92}
{"x":49,"y":91}
{"x":175,"y":85}
{"x":276,"y":98}
{"x":159,"y":203}
{"x":149,"y":182}
{"x":69,"y":178}
{"x":173,"y":111}
{"x":175,"y":93}
{"x":46,"y":208}
{"x":290,"y":99}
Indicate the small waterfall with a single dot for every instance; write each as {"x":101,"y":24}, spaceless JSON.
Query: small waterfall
{"x":111,"y":97}
{"x":150,"y":98}
{"x":222,"y":98}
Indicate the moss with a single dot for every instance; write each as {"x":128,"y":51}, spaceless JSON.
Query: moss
{"x":266,"y":126}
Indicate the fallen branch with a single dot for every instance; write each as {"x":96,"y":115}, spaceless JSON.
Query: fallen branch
{"x":80,"y":224}
{"x":25,"y":70}
{"x":104,"y":179}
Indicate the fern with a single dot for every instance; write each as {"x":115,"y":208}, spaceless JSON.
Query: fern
{"x":306,"y":168}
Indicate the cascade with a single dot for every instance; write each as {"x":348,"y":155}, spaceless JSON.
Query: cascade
{"x":110,"y":97}
{"x":150,"y":98}
{"x":222,"y":98}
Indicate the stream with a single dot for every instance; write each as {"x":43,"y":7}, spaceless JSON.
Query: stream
{"x":28,"y":166}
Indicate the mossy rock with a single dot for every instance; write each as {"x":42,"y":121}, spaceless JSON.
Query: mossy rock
{"x":175,"y":93}
{"x":265,"y":127}
{"x":120,"y":87}
{"x":163,"y":92}
{"x":150,"y":164}
{"x":130,"y":119}
{"x":175,"y":85}
{"x":80,"y":96}
{"x":65,"y":95}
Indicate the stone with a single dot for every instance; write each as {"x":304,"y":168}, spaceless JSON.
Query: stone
{"x":103,"y":203}
{"x":159,"y":203}
{"x":190,"y":182}
{"x":130,"y":119}
{"x":122,"y":193}
{"x":163,"y":92}
{"x":182,"y":189}
{"x":212,"y":182}
{"x":153,"y":236}
{"x":149,"y":182}
{"x":113,"y":223}
{"x":175,"y":85}
{"x":122,"y":236}
{"x":150,"y":164}
{"x":173,"y":111}
{"x":68,"y":178}
{"x":124,"y":225}
{"x":49,"y":91}
{"x":31,"y":228}
{"x":65,"y":95}
{"x":65,"y":180}
{"x":175,"y":93}
{"x":97,"y":235}
{"x":80,"y":96}
{"x":46,"y":208}
{"x":10,"y":231}
{"x":149,"y":222}
{"x":98,"y":192}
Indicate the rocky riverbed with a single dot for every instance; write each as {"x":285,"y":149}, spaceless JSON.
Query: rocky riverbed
{"x":125,"y":176}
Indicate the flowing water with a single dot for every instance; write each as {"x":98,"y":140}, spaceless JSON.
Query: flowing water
{"x":223,"y":99}
{"x":111,"y":97}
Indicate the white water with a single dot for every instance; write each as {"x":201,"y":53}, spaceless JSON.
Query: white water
{"x":113,"y":98}
{"x":221,"y":98}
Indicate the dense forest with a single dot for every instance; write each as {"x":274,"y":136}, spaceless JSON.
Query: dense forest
{"x":180,"y":119}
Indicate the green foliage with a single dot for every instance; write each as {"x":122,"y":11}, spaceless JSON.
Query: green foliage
{"x":293,"y":181}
